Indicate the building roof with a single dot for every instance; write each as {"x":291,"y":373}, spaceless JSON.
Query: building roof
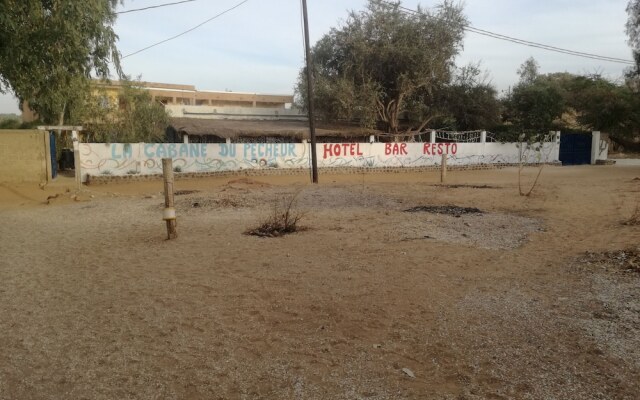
{"x":169,"y":88}
{"x":231,"y":129}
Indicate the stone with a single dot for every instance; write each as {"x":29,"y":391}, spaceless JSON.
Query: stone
{"x":409,"y":372}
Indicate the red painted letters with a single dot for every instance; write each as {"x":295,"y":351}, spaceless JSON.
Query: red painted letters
{"x":341,"y":149}
{"x":390,"y":149}
{"x":395,"y":149}
{"x":438,"y":149}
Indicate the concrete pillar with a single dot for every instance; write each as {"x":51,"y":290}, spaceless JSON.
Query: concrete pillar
{"x":483,"y":137}
{"x":185,"y":138}
{"x":372,"y":139}
{"x":228,"y":141}
{"x":76,"y":158}
{"x":595,"y":146}
{"x":433,"y":137}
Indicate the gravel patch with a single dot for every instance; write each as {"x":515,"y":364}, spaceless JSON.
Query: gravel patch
{"x":493,"y":231}
{"x":613,"y":318}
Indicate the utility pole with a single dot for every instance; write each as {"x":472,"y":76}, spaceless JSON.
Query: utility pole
{"x":312,"y":123}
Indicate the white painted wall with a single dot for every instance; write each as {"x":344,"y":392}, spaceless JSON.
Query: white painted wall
{"x":599,"y":147}
{"x":146,"y":158}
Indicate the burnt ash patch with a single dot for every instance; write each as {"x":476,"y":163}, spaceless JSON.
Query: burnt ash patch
{"x":184,"y":192}
{"x":447,"y":210}
{"x":458,"y":186}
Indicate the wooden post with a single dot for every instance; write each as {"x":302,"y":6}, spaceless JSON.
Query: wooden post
{"x":443,"y":170}
{"x":169,"y":214}
{"x":47,"y":153}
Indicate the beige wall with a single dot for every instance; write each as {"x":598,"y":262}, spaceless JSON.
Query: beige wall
{"x":187,"y":95}
{"x":24,"y":156}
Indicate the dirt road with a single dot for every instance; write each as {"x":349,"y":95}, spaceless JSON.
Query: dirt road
{"x":369,"y":302}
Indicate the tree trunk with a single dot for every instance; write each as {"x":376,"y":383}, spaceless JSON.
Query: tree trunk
{"x":61,"y":117}
{"x":393,"y":114}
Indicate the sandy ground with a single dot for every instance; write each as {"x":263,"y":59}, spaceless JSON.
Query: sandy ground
{"x":369,"y":302}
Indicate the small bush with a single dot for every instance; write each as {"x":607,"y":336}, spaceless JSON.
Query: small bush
{"x":132,"y":172}
{"x":177,"y":169}
{"x":635,"y":216}
{"x":105,"y":172}
{"x":284,"y":220}
{"x":10,"y":123}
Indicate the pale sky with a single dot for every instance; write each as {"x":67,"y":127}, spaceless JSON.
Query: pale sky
{"x":258,"y":46}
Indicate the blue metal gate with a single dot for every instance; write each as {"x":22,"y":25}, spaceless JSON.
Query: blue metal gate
{"x":54,"y":158}
{"x":575,"y":148}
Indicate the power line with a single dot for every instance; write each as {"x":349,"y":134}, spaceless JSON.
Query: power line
{"x":156,"y":6}
{"x":523,"y":42}
{"x":546,"y":47}
{"x":187,"y":31}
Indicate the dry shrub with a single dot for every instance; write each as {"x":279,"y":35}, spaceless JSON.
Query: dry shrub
{"x":635,"y":216}
{"x":534,"y":146}
{"x":284,"y":220}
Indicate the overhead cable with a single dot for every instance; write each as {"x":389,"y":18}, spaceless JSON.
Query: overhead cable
{"x":529,"y":43}
{"x":187,"y":31}
{"x":156,"y":6}
{"x":547,"y":47}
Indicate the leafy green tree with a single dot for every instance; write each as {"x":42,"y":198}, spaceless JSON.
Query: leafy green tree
{"x":50,"y":48}
{"x":633,"y":30}
{"x":131,"y":118}
{"x":537,"y":106}
{"x":384,"y":63}
{"x":535,"y":102}
{"x":605,"y":106}
{"x":539,"y":103}
{"x":529,"y":72}
{"x":470,"y":102}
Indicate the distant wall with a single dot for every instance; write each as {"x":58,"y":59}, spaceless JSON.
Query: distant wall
{"x":23,"y":156}
{"x":145,"y":158}
{"x":236,"y":113}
